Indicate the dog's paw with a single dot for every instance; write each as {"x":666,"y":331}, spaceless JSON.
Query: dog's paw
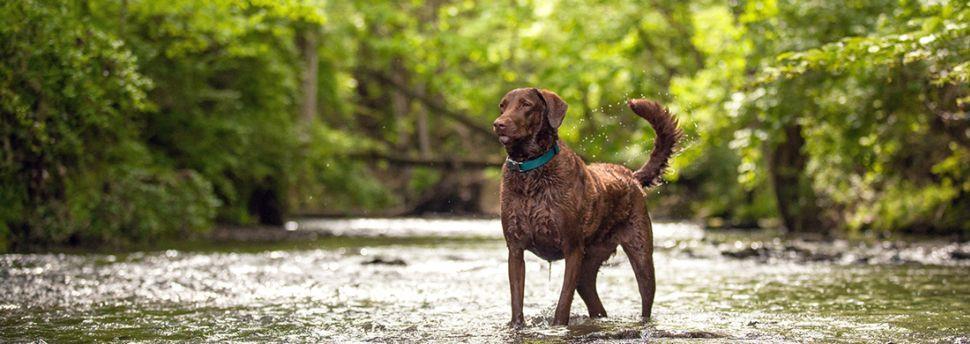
{"x":516,"y":324}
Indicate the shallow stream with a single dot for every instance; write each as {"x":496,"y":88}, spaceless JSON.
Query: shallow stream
{"x":427,"y":280}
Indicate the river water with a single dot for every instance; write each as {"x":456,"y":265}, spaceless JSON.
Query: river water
{"x":445,"y":280}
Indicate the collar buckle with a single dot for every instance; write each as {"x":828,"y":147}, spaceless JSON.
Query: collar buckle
{"x":517,"y":166}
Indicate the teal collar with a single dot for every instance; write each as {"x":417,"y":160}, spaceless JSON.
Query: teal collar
{"x":530,"y":165}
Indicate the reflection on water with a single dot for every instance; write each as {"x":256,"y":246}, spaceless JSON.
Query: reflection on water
{"x":411,"y":289}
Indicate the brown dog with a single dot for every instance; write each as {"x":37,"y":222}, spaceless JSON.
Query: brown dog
{"x":556,"y":206}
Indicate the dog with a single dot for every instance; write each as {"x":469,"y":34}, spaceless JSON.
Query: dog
{"x":557,"y":207}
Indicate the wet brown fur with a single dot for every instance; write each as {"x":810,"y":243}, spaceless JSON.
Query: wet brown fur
{"x":573,"y":211}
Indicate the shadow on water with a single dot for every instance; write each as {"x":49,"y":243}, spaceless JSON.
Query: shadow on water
{"x":419,"y":280}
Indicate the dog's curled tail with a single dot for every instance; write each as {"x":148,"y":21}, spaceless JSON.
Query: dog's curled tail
{"x":668,"y":134}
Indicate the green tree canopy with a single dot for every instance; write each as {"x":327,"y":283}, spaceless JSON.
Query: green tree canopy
{"x":135,"y":120}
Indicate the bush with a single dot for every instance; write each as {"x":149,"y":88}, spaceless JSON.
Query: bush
{"x":72,"y":103}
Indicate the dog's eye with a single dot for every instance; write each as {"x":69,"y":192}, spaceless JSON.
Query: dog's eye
{"x":527,"y":103}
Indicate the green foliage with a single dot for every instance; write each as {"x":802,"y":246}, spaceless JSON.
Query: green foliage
{"x":130,"y":203}
{"x":935,"y":36}
{"x":128,"y":121}
{"x":885,"y":112}
{"x":225,"y":81}
{"x":332,"y":182}
{"x":140,"y":128}
{"x":70,"y":106}
{"x":227,"y":76}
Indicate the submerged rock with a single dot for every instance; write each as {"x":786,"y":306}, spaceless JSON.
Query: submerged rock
{"x":747,"y":252}
{"x":695,"y":334}
{"x":385,"y":261}
{"x":615,"y":335}
{"x":960,"y":255}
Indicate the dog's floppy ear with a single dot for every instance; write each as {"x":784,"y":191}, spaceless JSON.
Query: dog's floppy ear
{"x":556,"y":107}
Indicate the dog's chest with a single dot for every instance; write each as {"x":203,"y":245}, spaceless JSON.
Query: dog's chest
{"x":536,"y":223}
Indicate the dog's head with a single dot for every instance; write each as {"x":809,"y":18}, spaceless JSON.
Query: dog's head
{"x":529,"y":115}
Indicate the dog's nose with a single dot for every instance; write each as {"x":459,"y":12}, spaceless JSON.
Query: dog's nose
{"x":498,"y":125}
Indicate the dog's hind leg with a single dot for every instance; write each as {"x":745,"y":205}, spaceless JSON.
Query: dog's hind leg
{"x":587,"y":280}
{"x":637,"y":242}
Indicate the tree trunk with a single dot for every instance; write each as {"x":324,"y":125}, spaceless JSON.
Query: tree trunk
{"x":122,"y":18}
{"x":308,"y":49}
{"x":400,"y":105}
{"x":793,"y":189}
{"x":424,"y":136}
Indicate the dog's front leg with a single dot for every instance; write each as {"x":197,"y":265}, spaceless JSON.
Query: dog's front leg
{"x":574,"y":262}
{"x":516,"y":284}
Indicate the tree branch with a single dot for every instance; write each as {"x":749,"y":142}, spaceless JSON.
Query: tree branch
{"x":435,"y":105}
{"x":449,"y":164}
